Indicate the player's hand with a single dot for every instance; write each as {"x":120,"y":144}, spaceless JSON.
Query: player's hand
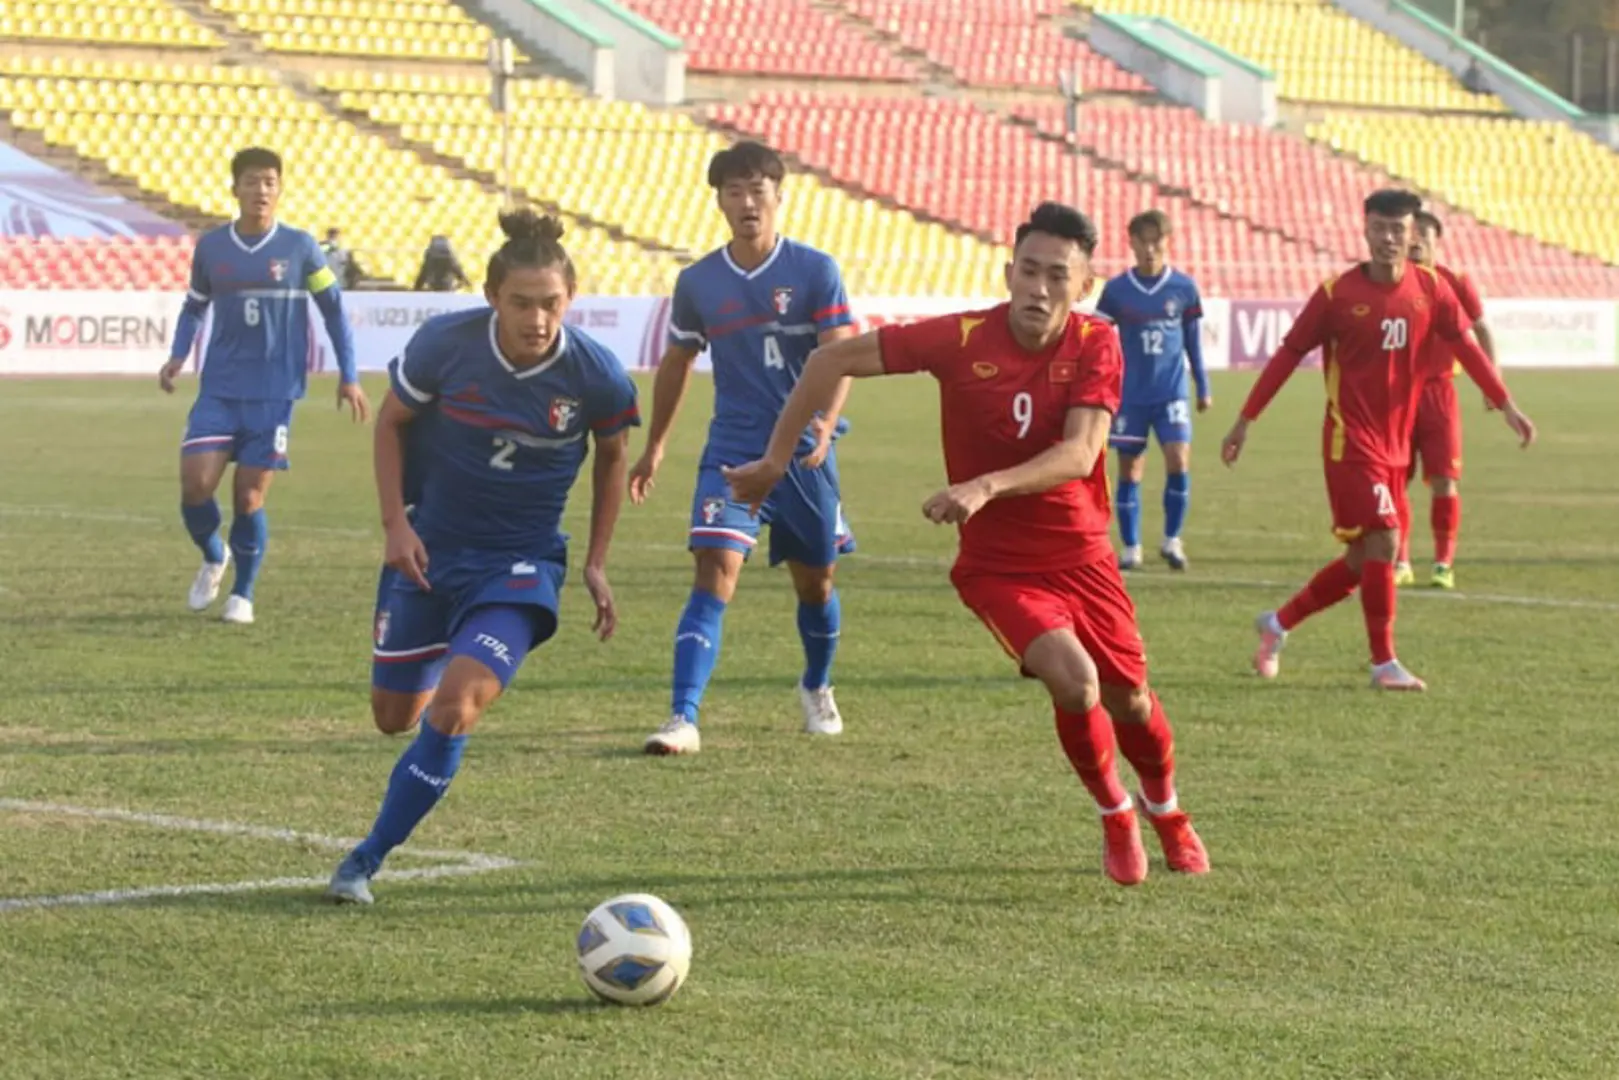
{"x":752,"y":483}
{"x":407,"y":554}
{"x":1231,"y":445}
{"x":168,"y":373}
{"x":1489,"y":406}
{"x":1204,"y":404}
{"x":353,"y":394}
{"x":823,"y":445}
{"x":957,"y":503}
{"x":1521,"y":425}
{"x":643,"y":472}
{"x":601,"y":594}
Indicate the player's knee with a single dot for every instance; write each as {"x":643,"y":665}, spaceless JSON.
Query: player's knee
{"x":455,"y":713}
{"x":1177,"y":459}
{"x":717,"y":571}
{"x":1444,"y":486}
{"x":1132,"y":468}
{"x":1127,"y":704}
{"x":1073,"y":695}
{"x":813,"y":584}
{"x":248,"y":501}
{"x":1381,"y":546}
{"x":392,"y":713}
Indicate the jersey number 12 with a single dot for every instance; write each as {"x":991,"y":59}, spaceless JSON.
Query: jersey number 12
{"x":1152,"y":342}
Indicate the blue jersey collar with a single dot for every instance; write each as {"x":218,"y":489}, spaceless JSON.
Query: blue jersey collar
{"x":1163,"y":279}
{"x":245,"y":246}
{"x":557,"y":348}
{"x":757,"y":270}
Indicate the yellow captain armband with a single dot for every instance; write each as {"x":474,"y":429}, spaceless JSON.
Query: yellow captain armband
{"x":322,"y":279}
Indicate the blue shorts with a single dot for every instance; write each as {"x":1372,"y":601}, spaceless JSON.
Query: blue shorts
{"x":253,"y":433}
{"x":413,"y":631}
{"x":804,"y":512}
{"x":1170,"y":421}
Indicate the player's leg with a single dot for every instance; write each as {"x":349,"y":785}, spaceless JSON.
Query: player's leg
{"x":1177,"y":498}
{"x":1371,"y":554}
{"x":722,"y":534}
{"x":205,"y":451}
{"x":1442,"y":465}
{"x":262,"y":453}
{"x":805,"y":526}
{"x":1445,"y":516}
{"x":1129,"y":441}
{"x":410,"y":637}
{"x":1033,"y":624}
{"x":1402,"y":563}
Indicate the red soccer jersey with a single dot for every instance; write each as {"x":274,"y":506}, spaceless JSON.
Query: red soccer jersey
{"x":1440,"y":362}
{"x":1373,"y":336}
{"x":1002,"y":405}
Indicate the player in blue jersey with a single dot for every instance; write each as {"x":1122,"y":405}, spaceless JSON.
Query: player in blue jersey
{"x":257,"y":275}
{"x":1159,"y":316}
{"x":759,"y":305}
{"x":474,"y":565}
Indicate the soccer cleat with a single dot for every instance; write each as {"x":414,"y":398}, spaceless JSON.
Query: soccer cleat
{"x":351,"y":881}
{"x":1183,"y":848}
{"x":205,"y":586}
{"x":677,"y":736}
{"x":1393,"y":676}
{"x":1173,"y":553}
{"x":1268,"y":657}
{"x":821,"y":716}
{"x":1131,"y":559}
{"x":1404,"y":575}
{"x":238,"y":610}
{"x":1443,"y":577}
{"x":1123,"y":857}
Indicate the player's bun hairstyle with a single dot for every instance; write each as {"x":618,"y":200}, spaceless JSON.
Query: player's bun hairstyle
{"x":1392,"y":203}
{"x":1150,"y":219}
{"x":533,"y":241}
{"x":1064,"y":222}
{"x":254,"y":157}
{"x":1431,"y":222}
{"x":744,"y":161}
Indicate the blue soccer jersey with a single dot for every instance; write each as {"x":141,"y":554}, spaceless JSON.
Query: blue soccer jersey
{"x":505,"y":444}
{"x":759,"y":326}
{"x":258,"y":349}
{"x":1159,"y":320}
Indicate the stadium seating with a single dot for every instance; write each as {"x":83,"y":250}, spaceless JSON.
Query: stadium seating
{"x":996,"y":43}
{"x":1317,"y":52}
{"x":642,"y":171}
{"x":73,"y":263}
{"x":1542,"y":178}
{"x":782,"y":37}
{"x":108,"y":22}
{"x":173,"y":130}
{"x":407,"y":29}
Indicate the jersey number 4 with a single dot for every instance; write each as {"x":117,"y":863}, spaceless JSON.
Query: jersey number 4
{"x":502,"y":457}
{"x":773,"y":357}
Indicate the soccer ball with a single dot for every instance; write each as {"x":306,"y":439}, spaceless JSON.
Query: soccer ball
{"x":634,"y":950}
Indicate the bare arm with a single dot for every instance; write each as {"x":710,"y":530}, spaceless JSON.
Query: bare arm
{"x":822,"y":389}
{"x":668,"y":391}
{"x":831,"y":413}
{"x":607,"y":494}
{"x":1084,"y":434}
{"x":388,"y":459}
{"x":1486,"y":341}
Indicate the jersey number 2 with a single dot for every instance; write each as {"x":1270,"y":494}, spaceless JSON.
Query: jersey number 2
{"x":1385,"y":500}
{"x":502,"y":457}
{"x":773,"y":357}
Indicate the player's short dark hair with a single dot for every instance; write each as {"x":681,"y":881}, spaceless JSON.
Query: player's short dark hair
{"x":744,"y":161}
{"x":1150,"y":219}
{"x":1392,"y":203}
{"x":1064,"y":222}
{"x":254,"y":157}
{"x":1426,"y":219}
{"x":533,"y":241}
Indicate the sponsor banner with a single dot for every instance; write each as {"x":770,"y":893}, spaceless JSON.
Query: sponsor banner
{"x":1216,"y":335}
{"x":38,"y":200}
{"x":1257,"y":328}
{"x":85,"y":333}
{"x":1554,"y":333}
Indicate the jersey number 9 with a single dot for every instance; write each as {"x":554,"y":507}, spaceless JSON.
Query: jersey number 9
{"x":250,"y":311}
{"x":1023,"y":412}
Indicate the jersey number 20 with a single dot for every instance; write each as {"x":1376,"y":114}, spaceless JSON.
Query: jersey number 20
{"x":1395,"y":334}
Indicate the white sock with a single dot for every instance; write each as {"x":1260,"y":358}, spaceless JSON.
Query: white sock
{"x":1119,"y":809}
{"x":1273,"y":624}
{"x":1160,"y":809}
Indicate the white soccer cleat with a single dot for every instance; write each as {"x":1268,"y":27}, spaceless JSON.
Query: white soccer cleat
{"x":205,"y":586}
{"x":238,"y":610}
{"x":1173,"y":553}
{"x":1131,"y":558}
{"x":821,"y":716}
{"x":1393,"y":676}
{"x":677,"y":736}
{"x":1268,"y":657}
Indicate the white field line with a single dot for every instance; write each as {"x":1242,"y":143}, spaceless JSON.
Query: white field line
{"x":451,"y":863}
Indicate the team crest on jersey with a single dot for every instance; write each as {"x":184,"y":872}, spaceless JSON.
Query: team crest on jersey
{"x":712,"y":509}
{"x":381,"y":630}
{"x":985,"y":370}
{"x":1063,"y":371}
{"x":563,"y":411}
{"x":1361,"y":309}
{"x":1171,"y":308}
{"x":278,"y":269}
{"x":783,"y":299}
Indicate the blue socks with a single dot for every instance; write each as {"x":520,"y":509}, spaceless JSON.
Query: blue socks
{"x":697,"y":649}
{"x":818,"y":627}
{"x":1177,"y":496}
{"x":419,"y":781}
{"x":1127,"y":506}
{"x":202,"y":522}
{"x":249,"y":533}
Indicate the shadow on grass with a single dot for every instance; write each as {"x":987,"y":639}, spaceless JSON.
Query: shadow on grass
{"x":491,"y":1006}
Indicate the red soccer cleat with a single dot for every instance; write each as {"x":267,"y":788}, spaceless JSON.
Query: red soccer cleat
{"x":1123,"y":857}
{"x":1183,"y":848}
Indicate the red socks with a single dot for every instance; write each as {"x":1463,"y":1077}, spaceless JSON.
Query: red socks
{"x":1150,"y":750}
{"x":1332,"y":583}
{"x":1088,"y":741}
{"x":1446,"y":517}
{"x":1377,"y":604}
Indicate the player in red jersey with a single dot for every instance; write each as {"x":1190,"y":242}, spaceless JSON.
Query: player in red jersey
{"x":1373,"y":324}
{"x":1436,"y":436}
{"x":1027,"y":395}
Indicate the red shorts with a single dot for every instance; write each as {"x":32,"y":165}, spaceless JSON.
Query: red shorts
{"x":1089,"y":600}
{"x":1436,"y":437}
{"x":1365,"y":497}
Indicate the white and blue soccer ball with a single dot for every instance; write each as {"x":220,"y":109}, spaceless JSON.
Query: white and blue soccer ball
{"x":634,"y":950}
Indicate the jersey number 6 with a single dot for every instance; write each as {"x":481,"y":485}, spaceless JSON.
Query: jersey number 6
{"x":250,"y":311}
